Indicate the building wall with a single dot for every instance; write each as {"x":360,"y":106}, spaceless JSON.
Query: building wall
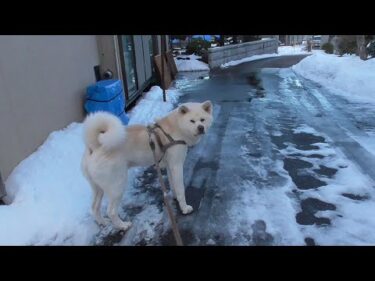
{"x":42,"y":84}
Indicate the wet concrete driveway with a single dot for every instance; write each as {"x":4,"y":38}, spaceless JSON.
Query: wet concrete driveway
{"x":268,"y":170}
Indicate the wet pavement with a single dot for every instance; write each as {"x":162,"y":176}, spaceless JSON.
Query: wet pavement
{"x":265,"y":172}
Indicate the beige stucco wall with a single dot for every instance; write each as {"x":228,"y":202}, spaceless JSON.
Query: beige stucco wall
{"x":42,"y":85}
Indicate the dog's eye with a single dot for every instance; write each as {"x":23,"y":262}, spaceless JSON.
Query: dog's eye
{"x":202,"y":120}
{"x":192,"y":121}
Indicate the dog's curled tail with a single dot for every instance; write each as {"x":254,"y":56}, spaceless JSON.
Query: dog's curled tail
{"x":103,"y":129}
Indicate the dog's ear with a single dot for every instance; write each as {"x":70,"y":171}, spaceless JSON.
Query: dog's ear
{"x":207,"y":106}
{"x":183,"y":109}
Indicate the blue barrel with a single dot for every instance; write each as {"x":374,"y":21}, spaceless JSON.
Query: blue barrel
{"x":107,"y":95}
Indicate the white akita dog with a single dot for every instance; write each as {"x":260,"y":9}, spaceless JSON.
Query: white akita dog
{"x":111,"y":149}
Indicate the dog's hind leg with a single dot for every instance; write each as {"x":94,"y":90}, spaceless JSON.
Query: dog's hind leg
{"x":96,"y":204}
{"x":114,"y":194}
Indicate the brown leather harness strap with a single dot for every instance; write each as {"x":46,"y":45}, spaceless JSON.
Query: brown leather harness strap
{"x":163,"y":147}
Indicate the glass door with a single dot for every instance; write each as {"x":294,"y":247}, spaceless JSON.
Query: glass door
{"x":148,"y":53}
{"x":130,"y":66}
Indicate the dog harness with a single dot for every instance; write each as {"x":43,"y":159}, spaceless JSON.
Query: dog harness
{"x":151,"y":129}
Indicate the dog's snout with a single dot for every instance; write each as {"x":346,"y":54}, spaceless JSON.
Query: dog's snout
{"x":200,"y":129}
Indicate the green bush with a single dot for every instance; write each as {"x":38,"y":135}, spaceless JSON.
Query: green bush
{"x":371,"y":49}
{"x":197,"y":46}
{"x":328,"y":48}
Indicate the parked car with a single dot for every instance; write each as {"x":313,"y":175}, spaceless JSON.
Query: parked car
{"x":316,"y":41}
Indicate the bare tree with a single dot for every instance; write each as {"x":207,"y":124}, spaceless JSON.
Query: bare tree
{"x":361,"y":46}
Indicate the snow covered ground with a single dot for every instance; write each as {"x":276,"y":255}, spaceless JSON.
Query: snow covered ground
{"x":287,"y":162}
{"x":346,"y":194}
{"x":281,"y":164}
{"x":348,"y":75}
{"x":192,"y":64}
{"x":51,"y":198}
{"x":281,"y":51}
{"x":292,"y":50}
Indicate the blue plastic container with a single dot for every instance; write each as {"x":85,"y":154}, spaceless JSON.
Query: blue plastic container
{"x":106,"y":95}
{"x":124,"y":118}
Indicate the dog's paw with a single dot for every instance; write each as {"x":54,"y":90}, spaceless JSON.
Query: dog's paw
{"x":125,"y":226}
{"x":187,"y":209}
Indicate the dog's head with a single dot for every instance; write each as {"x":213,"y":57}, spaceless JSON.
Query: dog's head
{"x":194,"y":119}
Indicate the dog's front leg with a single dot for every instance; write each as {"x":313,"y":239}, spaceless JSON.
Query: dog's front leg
{"x":176,"y":180}
{"x":169,"y":173}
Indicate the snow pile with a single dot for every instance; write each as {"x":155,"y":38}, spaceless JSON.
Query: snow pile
{"x":190,"y":64}
{"x":282,"y":51}
{"x":292,"y":50}
{"x":252,"y":58}
{"x":347,"y":75}
{"x":51,"y":197}
{"x":152,"y":107}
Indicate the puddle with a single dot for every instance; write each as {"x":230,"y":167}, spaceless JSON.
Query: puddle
{"x":355,"y":196}
{"x":254,"y":80}
{"x":302,"y":181}
{"x":260,"y":236}
{"x":306,"y":181}
{"x":309,"y":207}
{"x":304,"y":141}
{"x":309,"y":241}
{"x":291,"y":164}
{"x":325,"y":171}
